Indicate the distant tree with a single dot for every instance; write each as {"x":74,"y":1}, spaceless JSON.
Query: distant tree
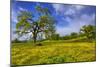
{"x":81,"y":34}
{"x":66,"y":37}
{"x":44,"y":24}
{"x":73,"y":34}
{"x":89,"y":31}
{"x":55,"y":37}
{"x":15,"y":40}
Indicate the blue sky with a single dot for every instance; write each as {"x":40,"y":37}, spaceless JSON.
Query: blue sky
{"x":70,"y":18}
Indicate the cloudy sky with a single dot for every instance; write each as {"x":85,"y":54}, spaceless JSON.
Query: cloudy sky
{"x":70,"y":18}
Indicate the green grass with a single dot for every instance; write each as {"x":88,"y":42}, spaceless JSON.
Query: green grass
{"x":52,"y":52}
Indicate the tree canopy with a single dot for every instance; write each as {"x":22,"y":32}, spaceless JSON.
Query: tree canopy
{"x":89,"y":31}
{"x":45,"y":23}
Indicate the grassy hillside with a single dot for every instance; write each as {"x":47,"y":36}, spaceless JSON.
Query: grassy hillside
{"x":52,"y":52}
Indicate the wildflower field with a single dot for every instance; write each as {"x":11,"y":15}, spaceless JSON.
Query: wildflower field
{"x":52,"y":52}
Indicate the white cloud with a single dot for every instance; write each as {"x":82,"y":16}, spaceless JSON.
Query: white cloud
{"x":70,"y":12}
{"x":57,"y":7}
{"x":14,"y":16}
{"x":26,"y":36}
{"x":78,"y":7}
{"x":67,"y":30}
{"x":76,"y":23}
{"x":73,"y":9}
{"x":68,"y":9}
{"x":14,"y":36}
{"x":22,"y":9}
{"x":87,"y":19}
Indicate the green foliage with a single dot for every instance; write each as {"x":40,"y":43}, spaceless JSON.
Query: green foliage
{"x":55,"y":37}
{"x":42,"y":11}
{"x":89,"y":31}
{"x":74,"y":35}
{"x":23,"y":26}
{"x":15,"y":41}
{"x":44,"y":24}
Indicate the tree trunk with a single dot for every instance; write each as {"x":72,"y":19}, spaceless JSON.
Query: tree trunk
{"x":34,"y":37}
